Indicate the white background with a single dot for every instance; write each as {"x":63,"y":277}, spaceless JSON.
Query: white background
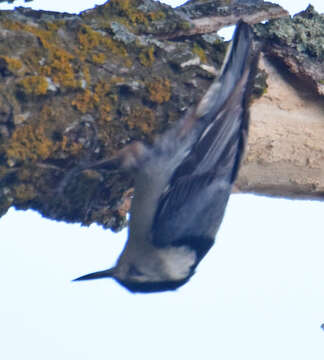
{"x":258,"y":295}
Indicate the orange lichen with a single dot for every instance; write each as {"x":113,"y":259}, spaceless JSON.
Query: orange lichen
{"x":146,"y":56}
{"x":54,"y":26}
{"x":57,"y":61}
{"x":90,"y":39}
{"x":104,"y":111}
{"x":67,"y":146}
{"x":33,"y":85}
{"x":99,"y":58}
{"x":86,"y":74}
{"x":122,"y":6}
{"x":43,"y":35}
{"x":114,"y":46}
{"x":29,"y":143}
{"x":128,"y":9}
{"x":32,"y":58}
{"x":102,"y":89}
{"x":12,"y":65}
{"x":156,"y":15}
{"x":142,"y":118}
{"x":100,"y":98}
{"x":85,"y":101}
{"x":59,"y":67}
{"x":159,"y":90}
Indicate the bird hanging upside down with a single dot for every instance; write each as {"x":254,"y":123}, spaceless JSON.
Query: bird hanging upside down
{"x":183,"y":182}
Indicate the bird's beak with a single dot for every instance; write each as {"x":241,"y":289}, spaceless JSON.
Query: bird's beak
{"x":97,"y":275}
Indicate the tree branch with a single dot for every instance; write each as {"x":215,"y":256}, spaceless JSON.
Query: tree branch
{"x":77,"y":88}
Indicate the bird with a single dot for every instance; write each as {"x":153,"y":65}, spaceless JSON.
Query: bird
{"x":183,"y":181}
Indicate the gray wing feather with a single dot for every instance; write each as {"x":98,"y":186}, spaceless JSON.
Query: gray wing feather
{"x":195,"y":201}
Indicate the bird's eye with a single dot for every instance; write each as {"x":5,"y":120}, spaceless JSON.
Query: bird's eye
{"x":133,"y":271}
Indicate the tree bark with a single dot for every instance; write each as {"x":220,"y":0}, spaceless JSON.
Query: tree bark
{"x":77,"y":88}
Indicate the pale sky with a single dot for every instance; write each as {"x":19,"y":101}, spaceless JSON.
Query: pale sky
{"x":258,"y":294}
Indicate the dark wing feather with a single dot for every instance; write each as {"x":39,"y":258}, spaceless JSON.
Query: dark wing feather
{"x":195,"y":201}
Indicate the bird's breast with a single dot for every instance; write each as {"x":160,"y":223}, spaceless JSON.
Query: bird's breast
{"x":177,"y":261}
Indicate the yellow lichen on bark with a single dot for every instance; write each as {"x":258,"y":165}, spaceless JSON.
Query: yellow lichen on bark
{"x":142,"y":118}
{"x":129,"y":10}
{"x":85,"y":101}
{"x":146,"y":56}
{"x":12,"y":65}
{"x":33,"y":85}
{"x":90,"y":39}
{"x":159,"y":90}
{"x":99,"y":58}
{"x":29,"y":142}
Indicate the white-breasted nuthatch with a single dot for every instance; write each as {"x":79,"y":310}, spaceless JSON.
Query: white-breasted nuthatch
{"x":183,"y":182}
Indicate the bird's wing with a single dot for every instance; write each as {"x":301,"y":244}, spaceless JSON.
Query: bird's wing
{"x":190,"y":213}
{"x":194,"y":202}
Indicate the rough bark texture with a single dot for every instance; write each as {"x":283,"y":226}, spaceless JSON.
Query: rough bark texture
{"x":76,"y":88}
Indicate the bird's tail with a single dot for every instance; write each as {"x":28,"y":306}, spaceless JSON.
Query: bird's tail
{"x":222,"y":114}
{"x":240,"y":60}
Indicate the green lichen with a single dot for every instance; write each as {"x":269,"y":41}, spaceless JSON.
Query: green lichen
{"x":184,"y":25}
{"x":199,"y":52}
{"x":304,"y":32}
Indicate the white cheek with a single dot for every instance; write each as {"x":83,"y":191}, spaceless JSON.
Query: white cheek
{"x":177,"y":261}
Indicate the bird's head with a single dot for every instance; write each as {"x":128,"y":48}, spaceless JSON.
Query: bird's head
{"x":164,"y":270}
{"x":137,"y":281}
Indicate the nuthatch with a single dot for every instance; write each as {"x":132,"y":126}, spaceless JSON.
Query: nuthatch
{"x":183,"y":182}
